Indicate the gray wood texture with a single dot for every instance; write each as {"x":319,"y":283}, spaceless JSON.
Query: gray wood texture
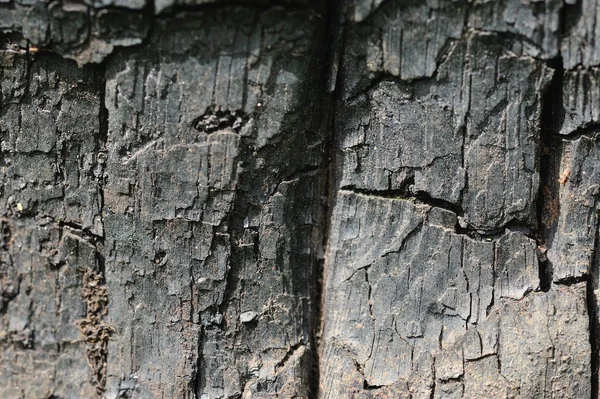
{"x":207,"y":199}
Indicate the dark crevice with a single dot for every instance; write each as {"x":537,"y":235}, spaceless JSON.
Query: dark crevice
{"x":101,"y":265}
{"x":101,"y":157}
{"x":77,"y":227}
{"x":291,"y":351}
{"x":573,"y":280}
{"x":392,"y":194}
{"x":11,"y":41}
{"x":451,"y":379}
{"x":368,"y":387}
{"x":490,"y":306}
{"x":197,"y":379}
{"x":548,"y":204}
{"x":548,"y":201}
{"x":425,"y":198}
{"x":258,"y":5}
{"x":103,"y":112}
{"x":545,"y":272}
{"x":495,"y":233}
{"x":405,"y":193}
{"x":335,"y":48}
{"x":434,"y":381}
{"x":569,"y":17}
{"x":588,"y":130}
{"x":215,"y":119}
{"x":420,"y":197}
{"x":330,"y":57}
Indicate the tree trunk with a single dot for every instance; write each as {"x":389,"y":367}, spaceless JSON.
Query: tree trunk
{"x":291,"y":199}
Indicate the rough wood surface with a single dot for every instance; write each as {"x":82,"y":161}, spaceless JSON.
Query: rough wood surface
{"x":457,"y":204}
{"x":299,"y":199}
{"x":439,"y":314}
{"x":211,"y":199}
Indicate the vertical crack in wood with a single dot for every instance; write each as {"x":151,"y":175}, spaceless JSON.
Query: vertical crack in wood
{"x":548,"y":202}
{"x":331,"y":55}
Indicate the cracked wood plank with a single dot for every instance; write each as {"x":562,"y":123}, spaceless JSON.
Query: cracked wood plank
{"x":213,"y":207}
{"x":162,"y":215}
{"x":435,"y":313}
{"x":463,"y":307}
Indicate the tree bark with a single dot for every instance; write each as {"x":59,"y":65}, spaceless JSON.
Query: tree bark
{"x":294,"y":199}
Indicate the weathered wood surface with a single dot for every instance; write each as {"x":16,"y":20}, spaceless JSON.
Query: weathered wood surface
{"x":295,"y":199}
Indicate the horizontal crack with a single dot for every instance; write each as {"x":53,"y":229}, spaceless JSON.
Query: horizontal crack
{"x":418,"y":197}
{"x":422,"y":198}
{"x":588,"y":130}
{"x":572,"y":280}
